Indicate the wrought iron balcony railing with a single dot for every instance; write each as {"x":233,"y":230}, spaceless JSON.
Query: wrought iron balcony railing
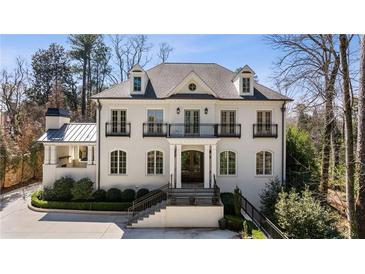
{"x":265,"y":131}
{"x":118,"y":129}
{"x":203,"y":130}
{"x":154,"y":129}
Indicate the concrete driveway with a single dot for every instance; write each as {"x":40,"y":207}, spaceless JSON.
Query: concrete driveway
{"x":17,"y":221}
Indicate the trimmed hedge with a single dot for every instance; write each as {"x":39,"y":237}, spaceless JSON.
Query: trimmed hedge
{"x":141,"y":192}
{"x":82,"y":190}
{"x":97,"y":206}
{"x":99,"y":195}
{"x":114,"y":195}
{"x":228,"y":202}
{"x":128,"y":195}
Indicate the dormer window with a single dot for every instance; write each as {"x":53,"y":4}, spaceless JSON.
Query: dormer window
{"x":137,"y":84}
{"x":246,"y":85}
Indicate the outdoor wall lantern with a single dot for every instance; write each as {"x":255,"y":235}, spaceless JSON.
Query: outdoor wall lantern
{"x":178,"y":110}
{"x":206,"y":110}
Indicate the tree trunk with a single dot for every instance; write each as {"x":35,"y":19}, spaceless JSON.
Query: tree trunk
{"x":83,"y":93}
{"x":329,"y":120}
{"x":360,"y":208}
{"x":349,"y":138}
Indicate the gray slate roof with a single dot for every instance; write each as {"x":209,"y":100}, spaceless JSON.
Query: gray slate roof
{"x":71,"y":133}
{"x":165,"y":77}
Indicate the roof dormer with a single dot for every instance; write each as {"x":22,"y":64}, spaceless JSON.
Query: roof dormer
{"x":138,"y":79}
{"x":244,"y":81}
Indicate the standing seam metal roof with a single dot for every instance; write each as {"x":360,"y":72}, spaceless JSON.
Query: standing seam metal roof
{"x":71,"y":133}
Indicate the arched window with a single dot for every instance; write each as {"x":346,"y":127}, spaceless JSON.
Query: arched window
{"x":155,"y":162}
{"x":227,"y":161}
{"x":118,"y":162}
{"x":263,"y":163}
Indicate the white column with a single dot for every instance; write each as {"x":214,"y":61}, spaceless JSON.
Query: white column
{"x":46,"y":155}
{"x":53,"y":155}
{"x":93,"y":154}
{"x":214,"y":163}
{"x":206,"y":166}
{"x":71,"y":153}
{"x":89,"y":155}
{"x":172,"y":165}
{"x":178,"y":166}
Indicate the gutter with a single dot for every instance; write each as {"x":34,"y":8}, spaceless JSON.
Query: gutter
{"x":283,"y":179}
{"x":98,"y":141}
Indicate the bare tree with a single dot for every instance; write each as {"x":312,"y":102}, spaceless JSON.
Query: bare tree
{"x":164,"y":52}
{"x":13,"y":89}
{"x":349,"y":136}
{"x":118,"y":49}
{"x":311,"y":63}
{"x":135,"y":50}
{"x":360,"y":207}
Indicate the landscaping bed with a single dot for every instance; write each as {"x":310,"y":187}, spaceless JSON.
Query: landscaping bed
{"x":78,"y":205}
{"x":233,"y":220}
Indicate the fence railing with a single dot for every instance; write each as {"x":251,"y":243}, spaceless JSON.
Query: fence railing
{"x":263,"y":223}
{"x":265,"y":130}
{"x":154,"y":129}
{"x":203,"y":130}
{"x":118,"y":129}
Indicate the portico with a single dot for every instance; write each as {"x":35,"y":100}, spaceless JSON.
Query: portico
{"x":193,"y":162}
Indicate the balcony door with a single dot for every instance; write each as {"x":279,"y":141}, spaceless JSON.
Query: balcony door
{"x":119,"y":121}
{"x":228,"y":121}
{"x":155,"y":120}
{"x":192,"y":122}
{"x":264,"y":122}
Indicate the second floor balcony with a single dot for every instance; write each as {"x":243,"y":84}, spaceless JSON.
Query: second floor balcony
{"x":265,"y":131}
{"x":200,"y":130}
{"x":118,"y":129}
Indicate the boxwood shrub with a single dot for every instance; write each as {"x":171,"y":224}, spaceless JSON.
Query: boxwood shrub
{"x":97,"y":206}
{"x":62,"y":189}
{"x":99,"y":195}
{"x":82,"y":190}
{"x":141,"y":192}
{"x":114,"y":195}
{"x":128,"y":195}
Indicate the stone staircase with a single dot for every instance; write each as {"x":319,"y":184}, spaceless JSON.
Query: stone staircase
{"x":156,"y":202}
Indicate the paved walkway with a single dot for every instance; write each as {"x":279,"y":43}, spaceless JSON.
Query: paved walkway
{"x":17,"y":221}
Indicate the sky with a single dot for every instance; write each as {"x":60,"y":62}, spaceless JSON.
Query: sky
{"x":231,"y":51}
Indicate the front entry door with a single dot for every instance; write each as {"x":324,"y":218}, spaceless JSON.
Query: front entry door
{"x":192,"y":121}
{"x":192,"y":166}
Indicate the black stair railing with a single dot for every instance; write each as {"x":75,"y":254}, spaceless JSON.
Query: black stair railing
{"x":261,"y":221}
{"x":147,"y":201}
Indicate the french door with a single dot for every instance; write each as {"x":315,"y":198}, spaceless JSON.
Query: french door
{"x":192,"y":122}
{"x":119,"y":121}
{"x":228,"y":121}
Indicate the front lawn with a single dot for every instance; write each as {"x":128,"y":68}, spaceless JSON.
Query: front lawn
{"x":82,"y":205}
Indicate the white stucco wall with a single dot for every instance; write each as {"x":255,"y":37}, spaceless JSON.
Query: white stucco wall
{"x":136,"y":146}
{"x":183,"y":216}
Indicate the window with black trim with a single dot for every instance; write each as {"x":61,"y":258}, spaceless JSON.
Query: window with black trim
{"x":137,"y":83}
{"x":227,"y":163}
{"x":118,"y":162}
{"x":155,"y":162}
{"x":263,"y":163}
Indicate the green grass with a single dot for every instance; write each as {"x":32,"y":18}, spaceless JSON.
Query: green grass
{"x":97,"y":206}
{"x":235,"y":223}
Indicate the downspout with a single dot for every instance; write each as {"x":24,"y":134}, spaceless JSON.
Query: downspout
{"x":283,"y":179}
{"x":98,"y":122}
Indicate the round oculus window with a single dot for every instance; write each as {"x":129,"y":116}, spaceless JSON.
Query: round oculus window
{"x":192,"y":87}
